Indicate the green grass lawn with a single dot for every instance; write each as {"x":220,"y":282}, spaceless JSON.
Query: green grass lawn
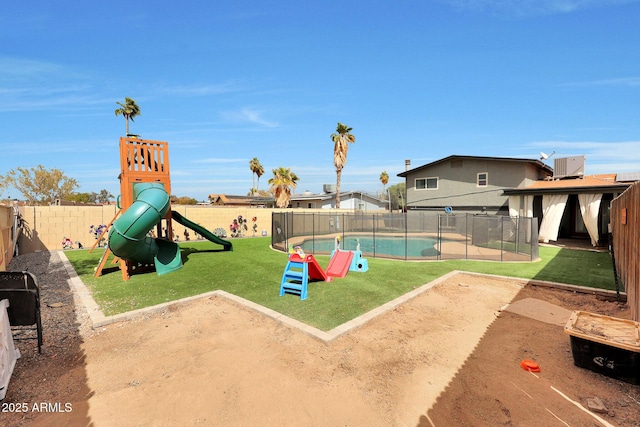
{"x":253,"y":271}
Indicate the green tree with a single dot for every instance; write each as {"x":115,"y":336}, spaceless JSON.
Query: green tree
{"x":256,"y":169}
{"x":384,"y":179}
{"x":104,"y":197}
{"x":184,"y":200}
{"x":398,"y":193}
{"x":41,"y":186}
{"x":129,"y":110}
{"x":83,"y":197}
{"x":341,"y":139}
{"x":282,"y":183}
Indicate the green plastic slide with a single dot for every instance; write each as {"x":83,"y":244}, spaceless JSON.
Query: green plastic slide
{"x":128,"y":237}
{"x":228,"y":246}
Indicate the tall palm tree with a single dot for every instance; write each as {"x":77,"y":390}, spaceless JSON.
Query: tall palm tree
{"x":341,"y":140}
{"x":257,"y":169}
{"x":282,"y":183}
{"x":384,"y":179}
{"x":129,"y":110}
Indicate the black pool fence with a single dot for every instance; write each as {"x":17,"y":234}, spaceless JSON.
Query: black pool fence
{"x":412,"y":235}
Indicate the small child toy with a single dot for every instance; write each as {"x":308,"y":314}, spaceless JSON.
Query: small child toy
{"x":296,"y":250}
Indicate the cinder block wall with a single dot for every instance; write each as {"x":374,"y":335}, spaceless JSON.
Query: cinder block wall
{"x":6,"y":242}
{"x":47,"y":226}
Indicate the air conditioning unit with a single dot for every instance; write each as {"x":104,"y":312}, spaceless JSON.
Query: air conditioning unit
{"x":329,"y":188}
{"x":566,"y":167}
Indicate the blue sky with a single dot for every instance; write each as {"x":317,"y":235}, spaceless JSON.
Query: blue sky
{"x":224,"y":82}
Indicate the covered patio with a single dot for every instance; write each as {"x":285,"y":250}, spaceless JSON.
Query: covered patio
{"x":572,"y":208}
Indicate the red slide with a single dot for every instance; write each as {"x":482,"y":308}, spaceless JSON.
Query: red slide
{"x":315,"y":271}
{"x":339,"y":264}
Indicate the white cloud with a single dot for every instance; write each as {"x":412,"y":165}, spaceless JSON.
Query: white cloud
{"x":202,"y":90}
{"x":249,"y":115}
{"x":220,"y":160}
{"x":27,"y":85}
{"x":619,"y":81}
{"x":525,"y":8}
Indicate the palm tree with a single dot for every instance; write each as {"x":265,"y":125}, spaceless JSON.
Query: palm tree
{"x":257,"y":169}
{"x":341,"y":140}
{"x":282,"y":183}
{"x":384,"y":179}
{"x":129,"y":110}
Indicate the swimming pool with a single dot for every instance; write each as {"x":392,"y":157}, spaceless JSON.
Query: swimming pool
{"x":411,"y":236}
{"x":391,"y":246}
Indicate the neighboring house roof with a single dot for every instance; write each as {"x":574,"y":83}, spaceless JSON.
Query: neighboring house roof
{"x":329,"y":196}
{"x":628,"y":177}
{"x":228,"y":199}
{"x":591,"y":183}
{"x":537,"y":163}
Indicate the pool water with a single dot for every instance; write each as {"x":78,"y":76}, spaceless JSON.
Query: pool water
{"x":384,"y":245}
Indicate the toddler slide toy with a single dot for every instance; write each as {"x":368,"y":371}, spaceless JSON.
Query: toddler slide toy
{"x":339,"y":264}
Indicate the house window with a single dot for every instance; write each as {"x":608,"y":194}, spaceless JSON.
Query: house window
{"x":483,"y":179}
{"x":427,"y":184}
{"x":311,"y":205}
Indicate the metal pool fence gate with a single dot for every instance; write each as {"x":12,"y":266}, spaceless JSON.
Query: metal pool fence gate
{"x":414,"y":235}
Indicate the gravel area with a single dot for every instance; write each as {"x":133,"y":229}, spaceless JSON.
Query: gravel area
{"x":56,"y":375}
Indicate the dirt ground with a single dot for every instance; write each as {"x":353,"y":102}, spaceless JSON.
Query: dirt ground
{"x":449,"y":357}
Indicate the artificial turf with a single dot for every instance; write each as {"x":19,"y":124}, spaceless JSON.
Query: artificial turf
{"x":253,"y":271}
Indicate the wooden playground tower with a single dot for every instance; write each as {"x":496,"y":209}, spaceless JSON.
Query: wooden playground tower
{"x":141,"y":160}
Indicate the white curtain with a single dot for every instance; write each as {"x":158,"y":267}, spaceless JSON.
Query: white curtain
{"x":521,"y":206}
{"x":552,"y":210}
{"x":514,"y":206}
{"x":589,"y":207}
{"x":528,"y":206}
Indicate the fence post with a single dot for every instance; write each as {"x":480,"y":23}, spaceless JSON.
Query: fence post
{"x":466,"y":235}
{"x":439,"y":234}
{"x":501,"y":239}
{"x":313,"y":232}
{"x":373,"y":228}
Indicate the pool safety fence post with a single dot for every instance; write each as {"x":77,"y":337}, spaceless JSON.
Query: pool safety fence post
{"x":502,"y":239}
{"x":439,"y":233}
{"x":405,"y":239}
{"x":517,"y":234}
{"x":466,"y":236}
{"x":313,"y":232}
{"x":285,"y":228}
{"x":373,"y":233}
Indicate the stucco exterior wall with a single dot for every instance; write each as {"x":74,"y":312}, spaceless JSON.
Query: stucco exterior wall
{"x":458,"y":188}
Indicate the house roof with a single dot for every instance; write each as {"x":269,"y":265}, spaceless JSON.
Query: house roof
{"x":535,"y":162}
{"x":591,"y":183}
{"x":229,"y":199}
{"x":628,"y":177}
{"x":329,"y":196}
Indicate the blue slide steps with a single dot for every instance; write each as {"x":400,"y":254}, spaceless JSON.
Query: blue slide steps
{"x":295,"y":279}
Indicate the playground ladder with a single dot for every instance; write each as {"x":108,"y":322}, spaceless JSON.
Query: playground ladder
{"x":295,"y":279}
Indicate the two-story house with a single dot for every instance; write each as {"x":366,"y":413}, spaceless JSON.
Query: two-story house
{"x":470,"y":184}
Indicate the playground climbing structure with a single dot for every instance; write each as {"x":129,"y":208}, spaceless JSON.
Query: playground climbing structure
{"x":145,"y":205}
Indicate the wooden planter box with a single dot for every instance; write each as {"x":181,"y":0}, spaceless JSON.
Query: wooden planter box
{"x":607,"y":345}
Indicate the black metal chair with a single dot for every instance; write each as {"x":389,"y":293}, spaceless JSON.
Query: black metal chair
{"x":21,"y":289}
